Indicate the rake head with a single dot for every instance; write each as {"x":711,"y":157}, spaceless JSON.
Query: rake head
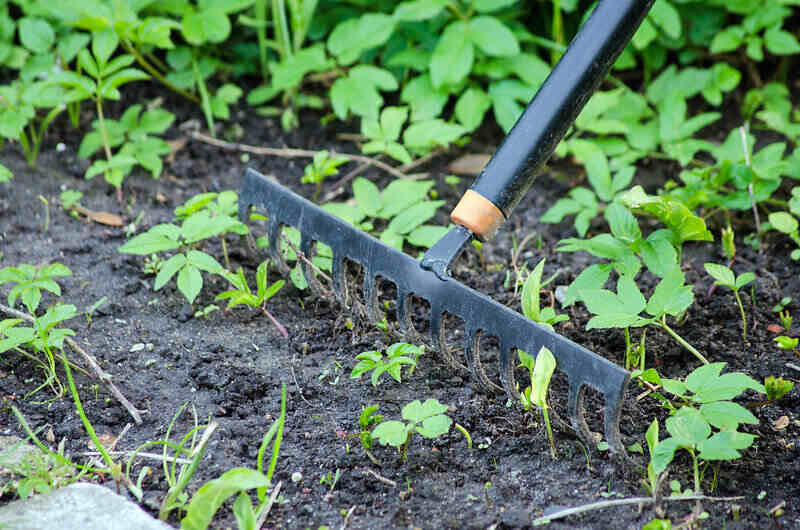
{"x":446,"y":298}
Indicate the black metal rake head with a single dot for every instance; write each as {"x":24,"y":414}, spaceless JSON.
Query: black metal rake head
{"x":481,"y":315}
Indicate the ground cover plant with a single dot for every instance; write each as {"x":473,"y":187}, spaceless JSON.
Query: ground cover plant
{"x":679,"y":174}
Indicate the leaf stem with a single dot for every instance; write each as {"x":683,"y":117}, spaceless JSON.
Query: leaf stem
{"x":741,"y":312}
{"x":663,"y":324}
{"x":549,"y":432}
{"x":144,"y":63}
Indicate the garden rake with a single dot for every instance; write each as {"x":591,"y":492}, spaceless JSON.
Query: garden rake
{"x":483,"y":208}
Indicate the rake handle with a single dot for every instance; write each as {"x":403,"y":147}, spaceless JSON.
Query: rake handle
{"x":509,"y":174}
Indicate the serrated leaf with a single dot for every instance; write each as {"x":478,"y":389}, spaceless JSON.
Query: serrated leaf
{"x":414,"y":217}
{"x":663,"y":454}
{"x":592,"y":277}
{"x":367,"y":196}
{"x":688,"y":427}
{"x":434,"y":426}
{"x":157,"y":239}
{"x":168,"y":269}
{"x":391,"y":432}
{"x":190,"y":282}
{"x":724,"y":445}
{"x":670,"y":296}
{"x":726,"y":415}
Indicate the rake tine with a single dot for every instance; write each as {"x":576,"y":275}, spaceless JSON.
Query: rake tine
{"x":507,"y":378}
{"x":402,"y":307}
{"x":439,"y":332}
{"x":275,"y":243}
{"x":473,"y":354}
{"x":576,"y":410}
{"x":308,"y":271}
{"x":370,"y":297}
{"x":338,"y":281}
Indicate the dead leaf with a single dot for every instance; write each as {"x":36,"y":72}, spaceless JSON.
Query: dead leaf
{"x":161,"y":198}
{"x":107,"y":440}
{"x":175,"y":146}
{"x":470,"y":164}
{"x":104,"y":218}
{"x":775,"y":328}
{"x":781,"y":423}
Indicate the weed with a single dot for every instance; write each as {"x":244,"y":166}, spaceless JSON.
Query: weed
{"x":322,"y":166}
{"x":725,"y":277}
{"x":5,"y":174}
{"x":397,"y":355}
{"x":622,"y":309}
{"x":786,"y":343}
{"x":366,"y":421}
{"x":427,"y":419}
{"x":331,"y":479}
{"x":30,"y":281}
{"x":540,"y":370}
{"x":241,"y":294}
{"x":777,"y":387}
{"x":705,"y":399}
{"x":530,"y":299}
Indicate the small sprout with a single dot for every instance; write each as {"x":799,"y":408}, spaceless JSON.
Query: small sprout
{"x":322,"y":166}
{"x":366,"y":421}
{"x":428,"y":419}
{"x":780,"y":306}
{"x":786,"y":343}
{"x":541,"y":370}
{"x":777,"y":387}
{"x":397,"y":355}
{"x":728,"y":245}
{"x":725,"y":277}
{"x":466,"y":434}
{"x":531,"y":296}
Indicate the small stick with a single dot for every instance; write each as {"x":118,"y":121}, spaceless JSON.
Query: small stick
{"x":350,"y":514}
{"x":380,"y":478}
{"x":287,"y":152}
{"x":152,"y":456}
{"x":546,"y":519}
{"x":303,"y":257}
{"x":92,"y":362}
{"x":268,"y":507}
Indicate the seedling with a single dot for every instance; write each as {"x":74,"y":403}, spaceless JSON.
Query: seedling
{"x":428,"y":419}
{"x":322,"y":166}
{"x":531,"y":295}
{"x":242,"y":295}
{"x":331,"y":479}
{"x":777,"y":387}
{"x":540,"y":370}
{"x":94,"y":307}
{"x":369,"y":418}
{"x":31,"y":281}
{"x":622,"y":309}
{"x":786,"y":343}
{"x":725,"y":277}
{"x":783,"y":314}
{"x":397,"y":355}
{"x":707,"y":403}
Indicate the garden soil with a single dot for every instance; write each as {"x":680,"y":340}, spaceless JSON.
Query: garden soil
{"x":229,"y":366}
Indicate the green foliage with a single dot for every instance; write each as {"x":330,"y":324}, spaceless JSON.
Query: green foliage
{"x":777,"y":387}
{"x":724,"y":276}
{"x":427,"y":419}
{"x":786,"y":343}
{"x":30,"y":281}
{"x":241,"y":294}
{"x":623,"y":309}
{"x":384,"y":134}
{"x":707,"y":396}
{"x":20,"y":119}
{"x":5,"y":174}
{"x":397,"y":355}
{"x":213,"y":494}
{"x":540,"y":371}
{"x":531,"y":299}
{"x":366,"y":421}
{"x":322,"y":166}
{"x":787,"y":223}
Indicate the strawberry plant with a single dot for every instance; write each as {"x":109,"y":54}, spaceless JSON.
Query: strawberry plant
{"x":706,"y":404}
{"x":427,"y":419}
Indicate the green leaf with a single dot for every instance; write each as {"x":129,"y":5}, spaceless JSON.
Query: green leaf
{"x":401,"y":194}
{"x":658,"y":255}
{"x":425,"y":135}
{"x":207,"y":25}
{"x":664,"y":454}
{"x":434,"y":426}
{"x":726,"y":415}
{"x":492,"y":36}
{"x":168,"y":269}
{"x":367,"y":195}
{"x":727,"y":386}
{"x":688,"y":427}
{"x":722,"y":274}
{"x":783,"y":222}
{"x":36,"y":34}
{"x":5,"y":174}
{"x":414,"y":217}
{"x":204,"y":262}
{"x":596,"y":163}
{"x":453,"y":55}
{"x":419,"y":9}
{"x":780,"y":42}
{"x":592,"y":277}
{"x":426,"y":236}
{"x":728,"y":39}
{"x":391,"y":432}
{"x":426,"y":101}
{"x":211,"y":495}
{"x":351,"y":38}
{"x":190,"y":282}
{"x":530,"y":292}
{"x":724,"y":445}
{"x":667,"y":17}
{"x":103,"y":45}
{"x":670,"y":296}
{"x":622,"y":223}
{"x":471,"y":107}
{"x":488,"y":6}
{"x":159,"y":238}
{"x":542,"y":372}
{"x":417,"y":411}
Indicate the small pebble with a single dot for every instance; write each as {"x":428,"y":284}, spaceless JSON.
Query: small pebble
{"x":297,"y":477}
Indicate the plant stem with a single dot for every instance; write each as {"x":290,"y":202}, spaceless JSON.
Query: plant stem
{"x":205,"y":99}
{"x":549,"y":432}
{"x":260,"y":11}
{"x":463,"y":431}
{"x":663,"y":324}
{"x":741,"y":312}
{"x":143,"y":62}
{"x":628,"y":352}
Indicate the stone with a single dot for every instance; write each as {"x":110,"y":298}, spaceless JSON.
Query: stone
{"x":82,"y":505}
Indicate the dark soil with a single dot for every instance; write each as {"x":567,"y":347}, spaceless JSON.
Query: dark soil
{"x":230,"y":366}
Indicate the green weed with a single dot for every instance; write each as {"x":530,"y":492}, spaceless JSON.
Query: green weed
{"x":427,"y":419}
{"x":397,"y":355}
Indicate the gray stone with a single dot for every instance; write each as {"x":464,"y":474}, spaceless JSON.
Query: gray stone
{"x":15,"y":453}
{"x":82,"y":505}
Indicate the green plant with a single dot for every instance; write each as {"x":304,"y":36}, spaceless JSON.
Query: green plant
{"x":397,"y":355}
{"x":540,"y":371}
{"x":30,"y":281}
{"x":103,"y":77}
{"x":211,"y":495}
{"x":622,"y":309}
{"x":241,"y":294}
{"x":322,"y":166}
{"x":705,"y":403}
{"x":785,"y":223}
{"x":777,"y":387}
{"x":530,"y":299}
{"x":725,"y":277}
{"x":384,"y":133}
{"x":427,"y":419}
{"x":19,"y":102}
{"x":786,"y":343}
{"x":761,"y":26}
{"x":5,"y":174}
{"x":188,"y":263}
{"x":331,"y":479}
{"x":366,"y":421}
